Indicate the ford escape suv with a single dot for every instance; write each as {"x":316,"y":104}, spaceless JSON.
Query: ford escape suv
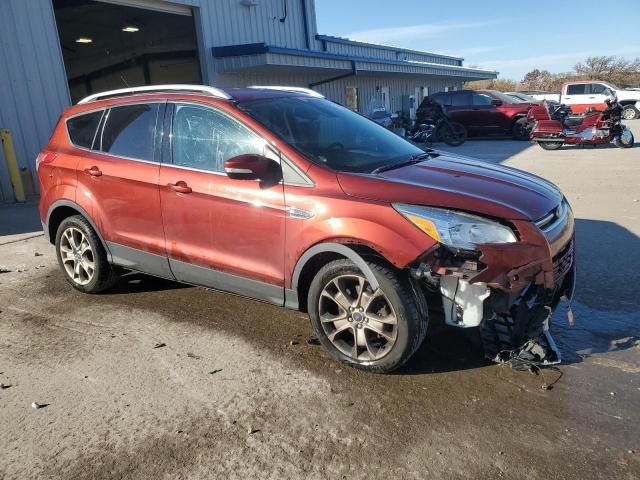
{"x":277,"y":194}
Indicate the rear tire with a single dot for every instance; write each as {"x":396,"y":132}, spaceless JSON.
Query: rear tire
{"x":453,"y":135}
{"x":630,"y":112}
{"x":377,"y":331}
{"x":81,"y":256}
{"x":520,"y":130}
{"x":551,"y":145}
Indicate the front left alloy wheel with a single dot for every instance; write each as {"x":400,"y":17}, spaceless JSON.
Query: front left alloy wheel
{"x":374,"y":329}
{"x":82,"y":257}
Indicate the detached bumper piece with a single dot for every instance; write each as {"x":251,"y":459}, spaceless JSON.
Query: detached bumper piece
{"x":521,"y":335}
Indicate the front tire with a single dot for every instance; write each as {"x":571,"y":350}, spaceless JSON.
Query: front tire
{"x":630,"y":112}
{"x":81,"y":256}
{"x":625,"y":140}
{"x":520,"y":129}
{"x":551,"y":145}
{"x":376,"y":330}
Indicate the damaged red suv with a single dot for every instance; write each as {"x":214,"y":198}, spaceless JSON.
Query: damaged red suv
{"x":277,"y":194}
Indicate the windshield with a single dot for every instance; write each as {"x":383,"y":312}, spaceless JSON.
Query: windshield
{"x":329,"y":134}
{"x":502,"y":96}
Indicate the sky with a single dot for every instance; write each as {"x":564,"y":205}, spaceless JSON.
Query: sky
{"x":512,"y":37}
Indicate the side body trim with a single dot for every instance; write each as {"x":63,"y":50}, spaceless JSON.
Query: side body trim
{"x":139,"y":260}
{"x":226,"y":282}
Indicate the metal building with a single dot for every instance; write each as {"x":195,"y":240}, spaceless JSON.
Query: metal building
{"x":54,"y":52}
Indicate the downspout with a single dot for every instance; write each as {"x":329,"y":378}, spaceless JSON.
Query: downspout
{"x":354,"y":71}
{"x":305,"y":23}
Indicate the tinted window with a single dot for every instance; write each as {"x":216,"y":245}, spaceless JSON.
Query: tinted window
{"x":597,"y":88}
{"x":329,"y":134}
{"x":204,"y":139}
{"x":82,"y":129}
{"x":576,"y":89}
{"x":129,"y":131}
{"x":461,"y":99}
{"x":481,"y":99}
{"x":443,"y":99}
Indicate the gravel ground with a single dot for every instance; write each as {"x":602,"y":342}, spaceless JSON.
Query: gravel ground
{"x":233,"y":389}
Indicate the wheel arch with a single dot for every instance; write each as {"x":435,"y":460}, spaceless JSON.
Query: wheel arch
{"x":62,"y":209}
{"x":314,"y":258}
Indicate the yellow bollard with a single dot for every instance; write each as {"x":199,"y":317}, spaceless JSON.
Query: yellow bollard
{"x":12,"y":164}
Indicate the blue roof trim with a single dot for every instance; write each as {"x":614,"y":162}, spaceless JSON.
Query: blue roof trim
{"x":261,"y":48}
{"x":348,"y":41}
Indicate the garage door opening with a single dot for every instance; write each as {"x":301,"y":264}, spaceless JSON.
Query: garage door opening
{"x":108,"y":46}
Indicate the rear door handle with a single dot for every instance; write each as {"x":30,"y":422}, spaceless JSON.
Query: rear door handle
{"x":180,"y":187}
{"x":93,"y":171}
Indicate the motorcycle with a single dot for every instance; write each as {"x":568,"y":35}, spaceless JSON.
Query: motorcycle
{"x":433,"y":125}
{"x":553,"y":126}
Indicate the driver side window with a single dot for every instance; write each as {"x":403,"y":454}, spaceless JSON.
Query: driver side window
{"x":204,"y":138}
{"x":480,"y":99}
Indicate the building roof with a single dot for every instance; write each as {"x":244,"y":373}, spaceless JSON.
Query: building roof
{"x":348,"y":41}
{"x":260,"y":56}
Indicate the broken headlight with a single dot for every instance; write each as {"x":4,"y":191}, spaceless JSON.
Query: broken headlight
{"x":455,"y":229}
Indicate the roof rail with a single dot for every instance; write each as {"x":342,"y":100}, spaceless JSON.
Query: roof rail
{"x":305,"y":91}
{"x":213,"y":91}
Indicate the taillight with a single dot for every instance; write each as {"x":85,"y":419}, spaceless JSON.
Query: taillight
{"x":44,"y":158}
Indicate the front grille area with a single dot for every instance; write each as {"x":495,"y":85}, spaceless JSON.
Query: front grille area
{"x":551,"y":219}
{"x":563,"y":261}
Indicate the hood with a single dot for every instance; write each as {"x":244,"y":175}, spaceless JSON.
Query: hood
{"x":459,"y":183}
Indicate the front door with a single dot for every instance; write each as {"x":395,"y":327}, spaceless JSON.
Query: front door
{"x":118,"y":179}
{"x":221,"y":233}
{"x":582,"y":96}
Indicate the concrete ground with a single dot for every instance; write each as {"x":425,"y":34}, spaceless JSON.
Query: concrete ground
{"x":237,"y":392}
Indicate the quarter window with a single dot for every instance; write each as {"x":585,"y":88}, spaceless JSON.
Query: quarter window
{"x":204,"y":138}
{"x":82,"y":129}
{"x":129,"y":131}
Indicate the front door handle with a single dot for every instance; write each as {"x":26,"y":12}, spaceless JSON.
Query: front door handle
{"x":93,"y":171}
{"x":180,"y":187}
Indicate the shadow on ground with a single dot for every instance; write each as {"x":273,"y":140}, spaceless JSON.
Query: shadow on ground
{"x":19,"y":218}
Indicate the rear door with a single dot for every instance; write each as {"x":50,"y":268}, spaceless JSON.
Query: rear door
{"x":576,"y":97}
{"x":222,"y":233}
{"x":118,"y":179}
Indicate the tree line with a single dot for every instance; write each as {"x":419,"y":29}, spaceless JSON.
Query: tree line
{"x":619,"y":71}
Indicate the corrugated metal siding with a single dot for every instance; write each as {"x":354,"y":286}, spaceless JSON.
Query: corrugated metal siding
{"x":34,"y":89}
{"x":32,"y":77}
{"x":368,"y":85}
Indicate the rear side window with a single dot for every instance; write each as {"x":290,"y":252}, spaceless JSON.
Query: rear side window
{"x":578,"y":89}
{"x":82,"y":129}
{"x":461,"y":99}
{"x":442,"y":99}
{"x":129,"y":131}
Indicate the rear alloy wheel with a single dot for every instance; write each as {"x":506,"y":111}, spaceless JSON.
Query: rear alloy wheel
{"x":82,"y":257}
{"x":453,"y":134}
{"x":630,"y":112}
{"x":520,"y":129}
{"x":551,"y":145}
{"x":374,"y":329}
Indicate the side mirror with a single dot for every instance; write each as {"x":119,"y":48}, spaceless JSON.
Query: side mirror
{"x":251,"y":166}
{"x":496,"y":103}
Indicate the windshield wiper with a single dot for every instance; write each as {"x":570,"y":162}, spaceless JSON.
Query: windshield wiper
{"x":409,"y":161}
